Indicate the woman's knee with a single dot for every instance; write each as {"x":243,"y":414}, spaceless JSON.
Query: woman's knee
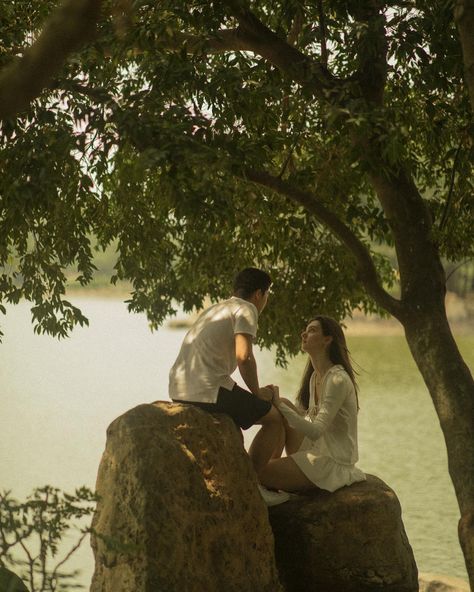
{"x":272,"y":417}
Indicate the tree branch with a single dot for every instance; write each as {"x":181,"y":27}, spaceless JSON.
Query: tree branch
{"x":312,"y":75}
{"x":464,"y":17}
{"x":68,"y":28}
{"x":98,"y":94}
{"x":447,"y":206}
{"x":71,"y":552}
{"x":292,"y":39}
{"x":458,"y":266}
{"x":218,"y":42}
{"x":296,"y":27}
{"x":289,"y":159}
{"x":411,"y":224}
{"x":253,"y":36}
{"x":372,"y":50}
{"x":322,"y":30}
{"x":366,"y":268}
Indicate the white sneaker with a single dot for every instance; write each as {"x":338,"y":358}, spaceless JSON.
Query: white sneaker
{"x":273,"y":498}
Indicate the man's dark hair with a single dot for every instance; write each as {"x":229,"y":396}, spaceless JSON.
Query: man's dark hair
{"x":249,"y":280}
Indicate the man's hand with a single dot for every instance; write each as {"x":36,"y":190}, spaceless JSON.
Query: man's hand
{"x":269,"y":393}
{"x":276,"y":394}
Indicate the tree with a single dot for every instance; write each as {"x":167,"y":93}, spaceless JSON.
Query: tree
{"x":23,"y":79}
{"x":31,"y":533}
{"x":464,"y":16}
{"x":298,"y":136}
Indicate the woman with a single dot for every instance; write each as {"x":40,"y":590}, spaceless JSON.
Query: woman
{"x":320,"y":435}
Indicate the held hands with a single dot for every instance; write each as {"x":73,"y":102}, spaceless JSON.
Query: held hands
{"x":270,"y":393}
{"x":276,"y":394}
{"x":295,"y":421}
{"x":289,"y":414}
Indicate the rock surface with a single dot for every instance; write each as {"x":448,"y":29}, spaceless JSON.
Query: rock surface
{"x":352,"y":540}
{"x":10,"y":582}
{"x":439,"y":583}
{"x":180,"y":496}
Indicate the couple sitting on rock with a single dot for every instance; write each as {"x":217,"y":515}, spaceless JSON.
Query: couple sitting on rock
{"x":319,"y":434}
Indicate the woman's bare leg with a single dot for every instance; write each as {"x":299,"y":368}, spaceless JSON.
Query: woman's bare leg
{"x":274,"y":436}
{"x":281,"y":441}
{"x":267,"y":439}
{"x":284,"y":473}
{"x":288,"y":438}
{"x":293,"y":439}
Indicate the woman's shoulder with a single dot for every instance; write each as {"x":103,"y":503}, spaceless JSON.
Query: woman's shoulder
{"x":339,"y":376}
{"x":338,"y":370}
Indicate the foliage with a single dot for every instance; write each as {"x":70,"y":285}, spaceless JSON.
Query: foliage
{"x":145,"y":139}
{"x":33,"y":535}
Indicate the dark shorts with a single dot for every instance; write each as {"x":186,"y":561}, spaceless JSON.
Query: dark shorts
{"x":244,"y":407}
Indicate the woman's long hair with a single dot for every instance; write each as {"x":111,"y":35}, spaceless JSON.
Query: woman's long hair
{"x":338,"y":354}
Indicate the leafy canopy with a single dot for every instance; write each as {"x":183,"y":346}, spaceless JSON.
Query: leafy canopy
{"x":146,"y":138}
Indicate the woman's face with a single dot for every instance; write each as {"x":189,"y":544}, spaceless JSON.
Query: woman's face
{"x":312,"y":338}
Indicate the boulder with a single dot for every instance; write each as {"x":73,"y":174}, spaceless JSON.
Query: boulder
{"x":179,"y":507}
{"x":352,"y":540}
{"x":440,"y":583}
{"x":10,"y":582}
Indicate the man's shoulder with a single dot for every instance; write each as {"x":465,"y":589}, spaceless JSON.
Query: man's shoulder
{"x":220,"y":305}
{"x":231,"y":308}
{"x":241,"y":314}
{"x":240,"y":303}
{"x":234,"y":304}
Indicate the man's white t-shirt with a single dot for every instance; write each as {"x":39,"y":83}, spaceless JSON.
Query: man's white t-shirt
{"x":207,"y":356}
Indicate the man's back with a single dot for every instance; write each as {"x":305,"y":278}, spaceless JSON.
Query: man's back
{"x":207,"y":356}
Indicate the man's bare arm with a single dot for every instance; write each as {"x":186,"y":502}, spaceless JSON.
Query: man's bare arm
{"x":246,"y":361}
{"x":248,"y":366}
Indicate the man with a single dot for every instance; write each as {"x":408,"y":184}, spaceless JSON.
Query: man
{"x":218,"y":342}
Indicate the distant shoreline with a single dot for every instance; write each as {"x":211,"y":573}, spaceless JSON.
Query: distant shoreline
{"x":460,"y":317}
{"x":374,"y":325}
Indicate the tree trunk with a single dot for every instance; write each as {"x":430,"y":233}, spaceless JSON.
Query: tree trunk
{"x":451,"y":387}
{"x":423,"y":316}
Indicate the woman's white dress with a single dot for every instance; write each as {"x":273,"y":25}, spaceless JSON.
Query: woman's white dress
{"x":329,"y":455}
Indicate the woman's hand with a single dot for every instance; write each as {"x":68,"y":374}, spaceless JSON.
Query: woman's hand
{"x":271,"y":393}
{"x":291,"y":405}
{"x":276,"y":394}
{"x":266,"y":392}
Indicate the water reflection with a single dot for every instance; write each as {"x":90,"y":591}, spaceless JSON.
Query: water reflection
{"x":57,"y":399}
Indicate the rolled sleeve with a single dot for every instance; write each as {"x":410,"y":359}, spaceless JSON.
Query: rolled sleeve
{"x":336,"y":391}
{"x":246,"y":320}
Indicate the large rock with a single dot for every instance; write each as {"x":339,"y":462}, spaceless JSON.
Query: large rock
{"x":10,"y":582}
{"x":441,"y":583}
{"x":179,"y":509}
{"x":352,"y":540}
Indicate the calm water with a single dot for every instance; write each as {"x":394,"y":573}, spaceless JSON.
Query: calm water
{"x":57,"y":399}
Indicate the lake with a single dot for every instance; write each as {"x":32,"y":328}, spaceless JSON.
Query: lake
{"x":58,"y":397}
